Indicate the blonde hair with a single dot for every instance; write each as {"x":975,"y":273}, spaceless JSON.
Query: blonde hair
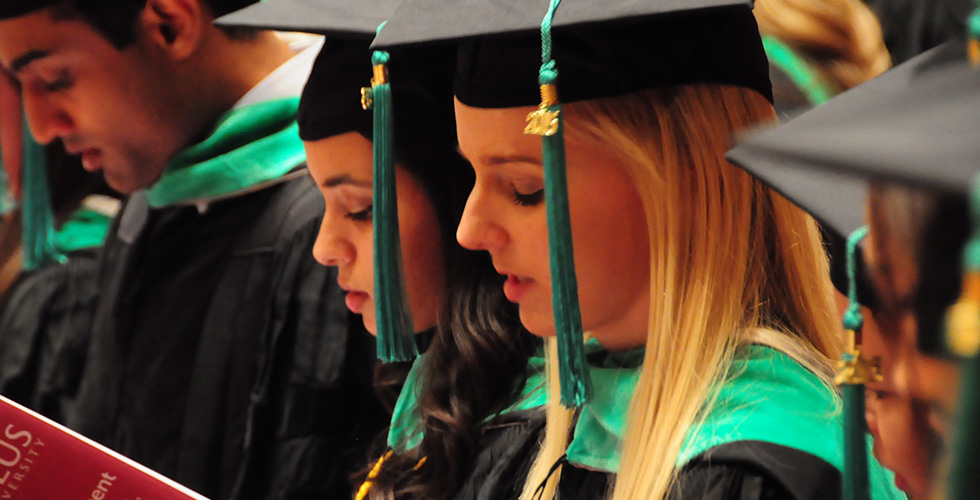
{"x":731,"y":262}
{"x":841,"y":37}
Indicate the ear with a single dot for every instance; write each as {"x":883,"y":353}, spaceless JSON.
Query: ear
{"x":175,"y":26}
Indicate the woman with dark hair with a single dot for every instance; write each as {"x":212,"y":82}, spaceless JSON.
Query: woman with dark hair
{"x":475,"y":367}
{"x":466,"y":421}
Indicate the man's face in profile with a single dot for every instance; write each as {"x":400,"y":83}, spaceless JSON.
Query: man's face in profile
{"x":107,"y":104}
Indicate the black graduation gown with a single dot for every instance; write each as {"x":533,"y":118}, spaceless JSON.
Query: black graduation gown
{"x":507,"y":446}
{"x":742,"y":470}
{"x":44,"y":325}
{"x":222,"y":354}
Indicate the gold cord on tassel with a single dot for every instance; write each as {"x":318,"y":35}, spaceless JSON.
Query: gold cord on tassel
{"x":544,"y":121}
{"x":855,"y":368}
{"x":963,"y":319}
{"x":367,"y":93}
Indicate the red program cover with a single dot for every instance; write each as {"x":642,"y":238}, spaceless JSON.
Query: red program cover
{"x":41,"y":460}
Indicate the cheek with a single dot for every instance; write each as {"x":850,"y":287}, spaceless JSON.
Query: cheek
{"x":612,"y":256}
{"x":423,"y":261}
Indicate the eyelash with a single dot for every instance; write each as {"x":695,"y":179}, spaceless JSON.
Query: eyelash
{"x":365,"y":215}
{"x":527,"y":200}
{"x":63,"y":82}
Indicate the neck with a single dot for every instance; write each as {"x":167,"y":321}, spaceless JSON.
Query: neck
{"x":229,"y":68}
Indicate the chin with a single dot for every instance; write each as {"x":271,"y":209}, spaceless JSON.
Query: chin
{"x":540,"y":325}
{"x":124,"y":184}
{"x":370,"y":325}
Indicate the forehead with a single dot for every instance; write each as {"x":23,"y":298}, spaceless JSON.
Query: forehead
{"x":348,"y":155}
{"x":41,"y":33}
{"x":496,"y":131}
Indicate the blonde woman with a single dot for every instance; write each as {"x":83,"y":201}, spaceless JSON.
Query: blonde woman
{"x":706,"y":291}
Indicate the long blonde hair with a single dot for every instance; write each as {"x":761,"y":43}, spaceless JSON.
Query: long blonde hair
{"x":841,"y":37}
{"x":729,"y":258}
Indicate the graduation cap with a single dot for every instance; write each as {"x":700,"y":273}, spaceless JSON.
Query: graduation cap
{"x":418,"y":80}
{"x":914,"y":125}
{"x":601,"y":49}
{"x":347,"y":20}
{"x":514,"y":53}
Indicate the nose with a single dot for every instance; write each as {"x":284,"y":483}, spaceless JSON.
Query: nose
{"x":478,"y":229}
{"x":330,"y":247}
{"x":47,"y":121}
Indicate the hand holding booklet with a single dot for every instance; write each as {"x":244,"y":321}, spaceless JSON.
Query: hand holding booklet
{"x":41,"y":460}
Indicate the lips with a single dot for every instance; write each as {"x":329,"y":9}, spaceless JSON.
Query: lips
{"x":91,"y":159}
{"x":355,"y":301}
{"x":516,"y":287}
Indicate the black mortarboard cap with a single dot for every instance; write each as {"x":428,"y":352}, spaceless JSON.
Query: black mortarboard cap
{"x":602,"y":49}
{"x":339,"y":19}
{"x":16,"y":8}
{"x":914,"y":125}
{"x":330,"y":104}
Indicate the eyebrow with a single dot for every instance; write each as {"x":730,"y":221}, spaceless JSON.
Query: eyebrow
{"x":502,"y":159}
{"x":345,"y":180}
{"x":493,"y":160}
{"x":26,"y":59}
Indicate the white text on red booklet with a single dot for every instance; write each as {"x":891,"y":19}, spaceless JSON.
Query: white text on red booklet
{"x":41,"y":460}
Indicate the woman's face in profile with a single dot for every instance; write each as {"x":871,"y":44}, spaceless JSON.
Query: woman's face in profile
{"x":910,"y":411}
{"x":342,"y":167}
{"x":932,"y":381}
{"x":903,"y":441}
{"x":505,"y":215}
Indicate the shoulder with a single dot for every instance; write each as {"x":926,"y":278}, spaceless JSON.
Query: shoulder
{"x":756,"y":470}
{"x":293,"y":210}
{"x":269,"y":218}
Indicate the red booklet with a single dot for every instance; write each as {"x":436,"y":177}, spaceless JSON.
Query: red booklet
{"x":41,"y":460}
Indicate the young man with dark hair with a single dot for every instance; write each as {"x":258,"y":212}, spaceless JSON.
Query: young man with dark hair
{"x":221,"y":354}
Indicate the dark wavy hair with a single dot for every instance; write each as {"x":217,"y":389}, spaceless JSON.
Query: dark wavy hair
{"x":474,"y":368}
{"x":116,"y":20}
{"x":476,"y":363}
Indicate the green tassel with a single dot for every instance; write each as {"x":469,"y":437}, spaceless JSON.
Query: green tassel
{"x":855,"y":444}
{"x":855,"y":372}
{"x":7,"y":201}
{"x":964,"y":323}
{"x":39,"y":249}
{"x":396,"y":336}
{"x":547,"y":121}
{"x":963,"y":481}
{"x":853,"y":318}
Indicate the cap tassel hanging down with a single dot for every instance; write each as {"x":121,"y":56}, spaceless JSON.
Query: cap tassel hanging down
{"x":854,"y":371}
{"x":36,"y":214}
{"x":396,"y":336}
{"x":963,"y":338}
{"x":547,"y":121}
